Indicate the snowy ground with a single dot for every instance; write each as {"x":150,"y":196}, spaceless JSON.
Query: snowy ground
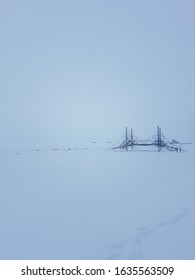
{"x":96,"y":204}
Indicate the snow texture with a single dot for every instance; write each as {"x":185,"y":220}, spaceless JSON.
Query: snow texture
{"x":95,"y":203}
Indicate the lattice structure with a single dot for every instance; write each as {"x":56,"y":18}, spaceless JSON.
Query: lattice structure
{"x":158,"y":142}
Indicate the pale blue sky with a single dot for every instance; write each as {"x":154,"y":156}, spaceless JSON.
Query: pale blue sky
{"x":83,"y":70}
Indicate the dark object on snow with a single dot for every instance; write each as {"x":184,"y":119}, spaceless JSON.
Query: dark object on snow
{"x":158,"y":142}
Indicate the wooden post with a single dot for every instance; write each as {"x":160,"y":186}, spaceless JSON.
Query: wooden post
{"x":126,"y":140}
{"x":159,"y":138}
{"x":132,"y":139}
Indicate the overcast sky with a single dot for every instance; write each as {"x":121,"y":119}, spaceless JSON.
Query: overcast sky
{"x":82,"y":70}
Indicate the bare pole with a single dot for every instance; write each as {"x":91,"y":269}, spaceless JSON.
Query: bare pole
{"x":126,"y":139}
{"x":159,"y":138}
{"x":132,"y":139}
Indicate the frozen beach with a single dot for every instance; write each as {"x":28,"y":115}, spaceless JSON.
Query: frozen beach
{"x":96,"y":204}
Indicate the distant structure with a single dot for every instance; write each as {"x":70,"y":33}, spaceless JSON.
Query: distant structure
{"x":158,"y":142}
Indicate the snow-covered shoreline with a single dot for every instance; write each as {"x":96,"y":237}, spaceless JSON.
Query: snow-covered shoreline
{"x":97,"y":204}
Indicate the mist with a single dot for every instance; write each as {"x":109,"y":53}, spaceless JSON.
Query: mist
{"x":82,"y":70}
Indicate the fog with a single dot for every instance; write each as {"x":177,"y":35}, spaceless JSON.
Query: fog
{"x":73,"y":75}
{"x":83,"y":70}
{"x":97,"y":204}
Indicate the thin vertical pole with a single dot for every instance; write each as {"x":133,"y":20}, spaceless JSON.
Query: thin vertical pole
{"x":159,"y":138}
{"x":126,"y":140}
{"x":132,"y":139}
